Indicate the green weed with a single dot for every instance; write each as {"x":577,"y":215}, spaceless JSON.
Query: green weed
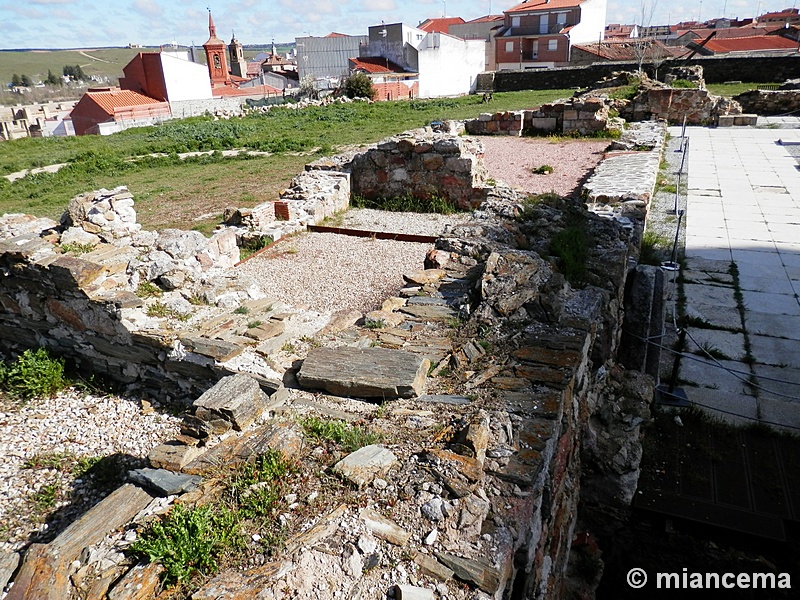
{"x":254,"y":324}
{"x":34,"y":374}
{"x":45,"y":498}
{"x":652,"y":249}
{"x":147,"y":289}
{"x":408,"y":203}
{"x":241,"y":310}
{"x":350,"y":437}
{"x":159,"y":309}
{"x":571,"y":247}
{"x":76,"y":249}
{"x":542,"y":170}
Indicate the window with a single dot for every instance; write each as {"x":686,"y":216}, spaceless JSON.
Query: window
{"x":552,"y":45}
{"x":543,"y":24}
{"x":515,"y":21}
{"x":561,"y":18}
{"x":217,"y":64}
{"x":509,"y":46}
{"x":535,"y":49}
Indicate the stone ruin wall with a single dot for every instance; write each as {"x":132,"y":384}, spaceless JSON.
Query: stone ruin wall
{"x":770,"y":102}
{"x":560,"y":375}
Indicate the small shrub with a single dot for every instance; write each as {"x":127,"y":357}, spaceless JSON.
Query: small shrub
{"x":254,"y":324}
{"x":375,"y":324}
{"x":359,"y":85}
{"x":652,"y":249}
{"x":350,"y":437}
{"x":45,"y":498}
{"x":34,"y":374}
{"x":148,"y":289}
{"x":684,"y":83}
{"x":188,"y":541}
{"x":407,"y":203}
{"x":253,"y":245}
{"x":242,"y":310}
{"x":289,"y":348}
{"x":542,"y":170}
{"x":571,"y":246}
{"x":76,"y":249}
{"x":159,"y":309}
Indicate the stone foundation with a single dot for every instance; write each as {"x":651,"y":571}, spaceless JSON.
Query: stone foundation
{"x":774,"y":102}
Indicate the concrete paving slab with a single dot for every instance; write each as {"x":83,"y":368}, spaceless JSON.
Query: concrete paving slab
{"x":778,"y":352}
{"x":776,"y":304}
{"x":784,"y":326}
{"x":790,"y":259}
{"x":708,"y":278}
{"x":707,"y":295}
{"x":767,"y":260}
{"x":710,"y":254}
{"x":731,"y":345}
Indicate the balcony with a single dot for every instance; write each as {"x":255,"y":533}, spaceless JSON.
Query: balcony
{"x":531,"y":31}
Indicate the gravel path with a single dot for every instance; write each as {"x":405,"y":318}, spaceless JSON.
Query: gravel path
{"x":510,"y":160}
{"x":327,"y":272}
{"x":75,"y":425}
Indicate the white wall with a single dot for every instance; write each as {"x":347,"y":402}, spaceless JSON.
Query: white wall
{"x":592,"y":25}
{"x":185,"y":80}
{"x":449,"y":66}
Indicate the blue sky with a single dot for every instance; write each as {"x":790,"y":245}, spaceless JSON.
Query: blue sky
{"x":92,"y":23}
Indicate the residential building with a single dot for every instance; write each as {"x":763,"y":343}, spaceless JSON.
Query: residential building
{"x":325,"y":60}
{"x":539,"y":34}
{"x":46,"y":119}
{"x":790,"y":16}
{"x":482,"y":28}
{"x":391,"y":81}
{"x":441,"y":25}
{"x":446,"y":65}
{"x":771,"y":44}
{"x":108,"y":110}
{"x":622,"y":49}
{"x":166,"y":77}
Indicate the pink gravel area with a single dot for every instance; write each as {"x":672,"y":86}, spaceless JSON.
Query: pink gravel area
{"x":510,"y":159}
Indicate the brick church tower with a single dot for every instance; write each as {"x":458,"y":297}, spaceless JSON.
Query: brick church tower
{"x":215,"y":56}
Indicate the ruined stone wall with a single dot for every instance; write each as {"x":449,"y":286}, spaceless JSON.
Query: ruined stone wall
{"x":424,"y":166}
{"x":772,"y":102}
{"x":763,"y":69}
{"x":698,"y":106}
{"x":566,"y":116}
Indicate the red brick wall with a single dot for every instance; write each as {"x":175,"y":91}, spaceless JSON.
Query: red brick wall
{"x":396,"y":91}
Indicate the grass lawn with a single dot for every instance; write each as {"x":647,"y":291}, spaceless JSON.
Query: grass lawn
{"x":730,"y":89}
{"x":193,"y":193}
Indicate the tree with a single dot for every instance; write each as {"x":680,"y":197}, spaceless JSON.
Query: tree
{"x":53,"y":79}
{"x":643,"y":42}
{"x":74,"y":72}
{"x":359,"y":85}
{"x":26,"y":81}
{"x":16,"y":81}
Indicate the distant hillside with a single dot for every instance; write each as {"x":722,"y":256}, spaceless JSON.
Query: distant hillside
{"x":106,"y":63}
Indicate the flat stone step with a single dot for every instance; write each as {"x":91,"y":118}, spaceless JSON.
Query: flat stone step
{"x":44,"y":574}
{"x":365,"y":373}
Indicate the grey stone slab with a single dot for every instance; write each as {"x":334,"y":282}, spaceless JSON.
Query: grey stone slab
{"x":736,"y":409}
{"x":430,"y":313}
{"x":412,"y":592}
{"x":705,"y":373}
{"x":479,"y":572}
{"x":705,"y":295}
{"x":165,"y":483}
{"x":776,"y":304}
{"x":775,"y":351}
{"x":365,"y":373}
{"x":365,"y":464}
{"x":724,"y":317}
{"x":695,"y":263}
{"x":770,"y":285}
{"x":772,"y":325}
{"x":8,"y":564}
{"x":723,"y":279}
{"x":384,"y":528}
{"x":711,"y":340}
{"x":444,"y":399}
{"x":237,"y":399}
{"x":780,"y":412}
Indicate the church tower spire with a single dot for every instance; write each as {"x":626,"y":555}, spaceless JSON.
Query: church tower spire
{"x":215,"y":55}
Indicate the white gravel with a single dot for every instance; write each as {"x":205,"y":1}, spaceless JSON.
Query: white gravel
{"x":74,"y":423}
{"x":401,"y":222}
{"x":327,"y":272}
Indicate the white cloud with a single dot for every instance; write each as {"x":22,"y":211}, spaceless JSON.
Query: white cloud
{"x":148,"y":8}
{"x":378,"y":5}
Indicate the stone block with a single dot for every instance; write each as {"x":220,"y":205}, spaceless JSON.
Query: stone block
{"x":726,"y":121}
{"x":217,"y":349}
{"x":544,"y":123}
{"x":237,"y":399}
{"x":432,"y":567}
{"x":384,"y":528}
{"x":365,"y":464}
{"x":164,"y":482}
{"x":412,"y":592}
{"x":142,"y":582}
{"x":479,"y":572}
{"x":173,"y":456}
{"x":745,"y":120}
{"x":364,"y":373}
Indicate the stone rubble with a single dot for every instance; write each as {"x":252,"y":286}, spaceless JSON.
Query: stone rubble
{"x":471,"y":478}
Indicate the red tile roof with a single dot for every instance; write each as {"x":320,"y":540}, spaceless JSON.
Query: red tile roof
{"x":625,"y":49}
{"x":112,"y":100}
{"x":374,"y":65}
{"x":441,"y":25}
{"x":258,"y":90}
{"x":486,"y":19}
{"x":750,"y":44}
{"x":333,"y":34}
{"x":533,"y":5}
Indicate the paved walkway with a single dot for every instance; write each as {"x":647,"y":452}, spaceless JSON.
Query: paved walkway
{"x":743,"y":207}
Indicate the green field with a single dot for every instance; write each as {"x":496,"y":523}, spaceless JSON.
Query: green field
{"x":192,"y":193}
{"x":35,"y":63}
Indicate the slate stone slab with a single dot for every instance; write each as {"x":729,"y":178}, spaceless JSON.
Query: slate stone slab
{"x":164,"y":482}
{"x":476,"y":571}
{"x":237,"y":399}
{"x":384,"y":528}
{"x":365,"y":373}
{"x":365,"y":464}
{"x":430,"y":312}
{"x":445,"y":399}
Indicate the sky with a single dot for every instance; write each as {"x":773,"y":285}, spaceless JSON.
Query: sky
{"x":93,"y":23}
